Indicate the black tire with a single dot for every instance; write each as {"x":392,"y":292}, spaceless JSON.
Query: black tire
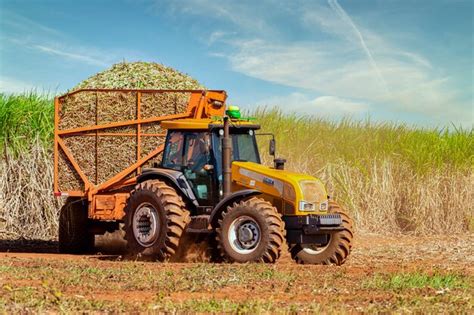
{"x":74,"y":236}
{"x":336,"y":251}
{"x":171,"y":219}
{"x":263,"y":217}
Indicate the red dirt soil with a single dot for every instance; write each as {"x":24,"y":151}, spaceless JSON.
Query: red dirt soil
{"x":344,"y":286}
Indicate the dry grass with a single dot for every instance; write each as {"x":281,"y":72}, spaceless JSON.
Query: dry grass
{"x":27,"y":206}
{"x":389,"y":198}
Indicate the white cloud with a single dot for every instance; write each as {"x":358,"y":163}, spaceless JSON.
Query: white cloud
{"x":351,"y":62}
{"x":334,"y":104}
{"x":326,"y":106}
{"x":83,"y":54}
{"x":22,"y":23}
{"x":238,"y":13}
{"x":32,"y":35}
{"x":336,"y":55}
{"x":10,"y":85}
{"x":218,"y":35}
{"x":325,"y":69}
{"x":70,"y":55}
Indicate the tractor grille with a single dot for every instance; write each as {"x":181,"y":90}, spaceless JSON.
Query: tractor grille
{"x":330,"y":219}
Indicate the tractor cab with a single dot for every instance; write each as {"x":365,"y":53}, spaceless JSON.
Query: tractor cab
{"x":194,"y":148}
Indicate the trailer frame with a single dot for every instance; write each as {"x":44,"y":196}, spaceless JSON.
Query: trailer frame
{"x":104,"y":202}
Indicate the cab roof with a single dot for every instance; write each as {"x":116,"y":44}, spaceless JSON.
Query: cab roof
{"x":191,"y":123}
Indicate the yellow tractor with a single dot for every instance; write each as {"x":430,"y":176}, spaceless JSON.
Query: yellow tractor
{"x":210,"y":181}
{"x":222,"y":188}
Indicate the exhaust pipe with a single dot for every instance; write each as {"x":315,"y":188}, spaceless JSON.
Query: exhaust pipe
{"x":226,"y":159}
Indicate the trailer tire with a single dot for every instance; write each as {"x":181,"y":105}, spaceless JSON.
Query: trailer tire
{"x":155,"y":219}
{"x":335,"y":252}
{"x":73,"y":235}
{"x":250,"y":231}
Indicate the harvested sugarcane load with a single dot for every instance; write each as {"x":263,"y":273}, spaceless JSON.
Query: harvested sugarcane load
{"x":111,"y":97}
{"x":140,"y":75}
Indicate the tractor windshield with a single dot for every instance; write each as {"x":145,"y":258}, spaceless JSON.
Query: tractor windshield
{"x":244,"y":146}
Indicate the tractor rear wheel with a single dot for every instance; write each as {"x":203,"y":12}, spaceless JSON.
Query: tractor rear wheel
{"x":74,"y":236}
{"x":250,"y":231}
{"x":155,"y":219}
{"x":335,"y":252}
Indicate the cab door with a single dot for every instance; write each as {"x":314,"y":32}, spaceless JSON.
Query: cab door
{"x":190,"y":153}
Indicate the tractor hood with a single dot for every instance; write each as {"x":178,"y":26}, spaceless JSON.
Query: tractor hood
{"x":305,"y":193}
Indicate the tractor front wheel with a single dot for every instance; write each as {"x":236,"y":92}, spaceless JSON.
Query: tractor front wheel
{"x":335,"y":252}
{"x":250,"y":231}
{"x":155,"y":220}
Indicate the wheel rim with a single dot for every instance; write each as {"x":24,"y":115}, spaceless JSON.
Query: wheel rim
{"x":313,"y":249}
{"x":244,"y":235}
{"x":145,"y":225}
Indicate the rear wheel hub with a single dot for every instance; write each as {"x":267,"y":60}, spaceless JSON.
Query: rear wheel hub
{"x":145,"y":225}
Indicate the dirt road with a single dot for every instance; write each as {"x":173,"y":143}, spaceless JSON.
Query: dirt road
{"x":383,"y":274}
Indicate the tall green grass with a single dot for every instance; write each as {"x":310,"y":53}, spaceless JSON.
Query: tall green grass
{"x":362,"y":142}
{"x":25,"y":118}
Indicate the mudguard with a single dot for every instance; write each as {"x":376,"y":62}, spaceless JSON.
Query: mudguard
{"x":176,"y":178}
{"x":227,"y":201}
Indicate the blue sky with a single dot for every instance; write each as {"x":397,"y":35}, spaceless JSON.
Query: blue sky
{"x":405,"y":61}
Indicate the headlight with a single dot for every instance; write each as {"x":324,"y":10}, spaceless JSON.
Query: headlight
{"x":307,"y":206}
{"x":314,"y":196}
{"x":324,"y":206}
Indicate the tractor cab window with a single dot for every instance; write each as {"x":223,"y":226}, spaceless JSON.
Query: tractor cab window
{"x":173,"y":156}
{"x":189,"y":152}
{"x":244,"y":148}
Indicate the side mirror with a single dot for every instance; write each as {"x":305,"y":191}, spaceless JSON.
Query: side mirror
{"x":272,"y":147}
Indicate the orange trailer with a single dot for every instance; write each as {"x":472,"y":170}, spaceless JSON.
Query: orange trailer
{"x":106,"y":200}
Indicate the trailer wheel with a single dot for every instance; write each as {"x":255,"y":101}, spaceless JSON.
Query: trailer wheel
{"x":155,"y":220}
{"x":74,"y":236}
{"x":335,"y":252}
{"x":250,"y":231}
